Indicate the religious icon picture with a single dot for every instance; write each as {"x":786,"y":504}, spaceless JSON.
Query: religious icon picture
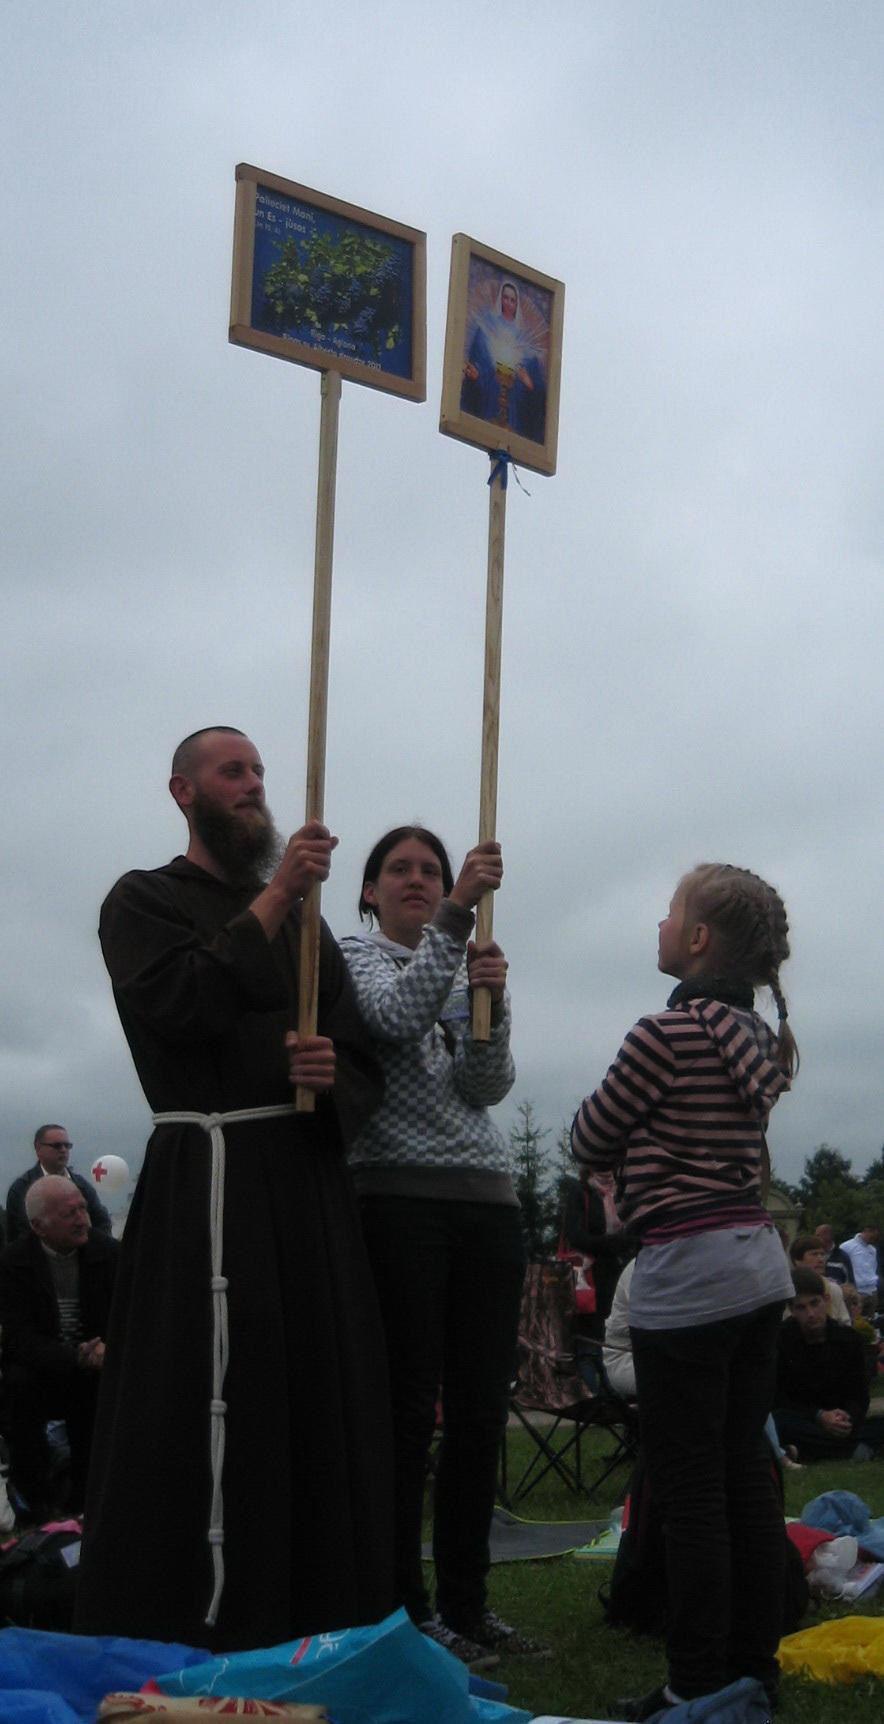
{"x":503,"y":355}
{"x":325,"y":284}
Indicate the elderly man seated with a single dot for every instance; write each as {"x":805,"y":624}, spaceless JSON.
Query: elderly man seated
{"x":822,"y":1396}
{"x":56,"y":1284}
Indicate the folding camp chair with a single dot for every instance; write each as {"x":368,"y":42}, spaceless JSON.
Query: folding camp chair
{"x":551,"y":1402}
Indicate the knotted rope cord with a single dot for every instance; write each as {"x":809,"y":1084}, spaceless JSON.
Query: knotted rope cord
{"x":214,"y":1124}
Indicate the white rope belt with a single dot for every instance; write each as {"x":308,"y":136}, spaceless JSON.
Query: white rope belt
{"x":214,"y":1124}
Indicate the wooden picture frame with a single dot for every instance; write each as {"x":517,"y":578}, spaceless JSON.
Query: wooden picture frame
{"x":502,"y":368}
{"x":325,"y":284}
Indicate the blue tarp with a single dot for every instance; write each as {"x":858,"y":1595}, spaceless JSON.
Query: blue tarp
{"x":386,"y":1674}
{"x":62,"y":1678}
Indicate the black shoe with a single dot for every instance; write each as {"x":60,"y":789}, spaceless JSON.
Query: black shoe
{"x":491,"y":1631}
{"x":647,"y":1707}
{"x":470,"y":1653}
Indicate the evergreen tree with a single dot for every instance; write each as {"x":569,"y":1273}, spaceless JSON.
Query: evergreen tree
{"x":531,"y":1178}
{"x":875,"y":1170}
{"x":826,"y":1167}
{"x":829,"y":1191}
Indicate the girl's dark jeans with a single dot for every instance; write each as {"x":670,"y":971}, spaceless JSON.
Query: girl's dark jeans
{"x":449,"y":1278}
{"x":703,"y":1396}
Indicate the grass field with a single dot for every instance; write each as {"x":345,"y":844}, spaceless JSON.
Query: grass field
{"x":592,"y":1664}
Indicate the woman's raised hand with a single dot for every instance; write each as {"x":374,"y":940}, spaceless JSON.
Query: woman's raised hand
{"x":482,"y":872}
{"x":487,"y":968}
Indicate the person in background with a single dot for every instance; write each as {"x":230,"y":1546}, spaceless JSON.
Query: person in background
{"x":862,"y":1250}
{"x":591,"y":1226}
{"x":822,"y":1395}
{"x":808,"y":1252}
{"x":617,"y":1354}
{"x":52,"y":1148}
{"x":56,"y":1285}
{"x":866,"y":1331}
{"x":838,"y":1265}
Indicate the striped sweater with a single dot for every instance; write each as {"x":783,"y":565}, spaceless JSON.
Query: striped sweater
{"x":680,"y":1116}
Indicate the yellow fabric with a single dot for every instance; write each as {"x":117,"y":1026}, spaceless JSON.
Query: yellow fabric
{"x":836,"y":1651}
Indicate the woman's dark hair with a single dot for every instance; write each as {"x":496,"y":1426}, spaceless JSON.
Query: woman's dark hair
{"x":377,"y":856}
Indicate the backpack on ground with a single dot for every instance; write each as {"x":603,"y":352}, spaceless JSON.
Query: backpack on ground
{"x":38,"y":1579}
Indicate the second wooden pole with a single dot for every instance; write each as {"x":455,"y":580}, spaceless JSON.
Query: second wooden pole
{"x":481,"y":1024}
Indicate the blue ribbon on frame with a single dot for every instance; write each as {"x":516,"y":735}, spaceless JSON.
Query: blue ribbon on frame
{"x":501,"y":461}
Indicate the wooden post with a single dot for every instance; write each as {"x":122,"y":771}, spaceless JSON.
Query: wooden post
{"x":317,"y":719}
{"x":490,"y":722}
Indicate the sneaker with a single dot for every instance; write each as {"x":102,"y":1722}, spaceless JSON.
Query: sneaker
{"x":469,"y":1652}
{"x":490,"y":1630}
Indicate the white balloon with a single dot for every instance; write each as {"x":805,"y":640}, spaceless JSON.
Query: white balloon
{"x":110,"y":1175}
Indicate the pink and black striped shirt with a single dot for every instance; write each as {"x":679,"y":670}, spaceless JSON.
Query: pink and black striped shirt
{"x":680,"y":1117}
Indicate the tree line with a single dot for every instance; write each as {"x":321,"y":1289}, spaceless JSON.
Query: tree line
{"x":828,"y":1190}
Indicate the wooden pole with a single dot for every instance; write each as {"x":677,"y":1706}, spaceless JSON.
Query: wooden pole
{"x":317,"y":719}
{"x":490,"y":723}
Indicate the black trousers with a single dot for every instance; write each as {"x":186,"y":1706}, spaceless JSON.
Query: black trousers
{"x":703,"y":1396}
{"x":30,"y":1400}
{"x":449,"y":1278}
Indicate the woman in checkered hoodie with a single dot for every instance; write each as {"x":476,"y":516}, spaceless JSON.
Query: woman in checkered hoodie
{"x":440,"y":1216}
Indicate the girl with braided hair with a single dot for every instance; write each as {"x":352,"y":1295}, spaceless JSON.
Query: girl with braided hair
{"x":680,"y":1117}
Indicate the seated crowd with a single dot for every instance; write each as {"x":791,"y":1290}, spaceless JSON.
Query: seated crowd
{"x":56,"y":1283}
{"x":57,"y":1279}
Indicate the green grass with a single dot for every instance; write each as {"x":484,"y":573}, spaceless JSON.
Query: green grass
{"x":592,"y":1664}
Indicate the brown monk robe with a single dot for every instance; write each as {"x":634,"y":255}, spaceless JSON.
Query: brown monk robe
{"x":205,"y":999}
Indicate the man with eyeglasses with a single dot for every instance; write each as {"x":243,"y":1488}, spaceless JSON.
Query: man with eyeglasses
{"x":52,"y":1147}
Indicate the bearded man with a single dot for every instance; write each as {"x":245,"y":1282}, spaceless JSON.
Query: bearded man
{"x":242,"y":1449}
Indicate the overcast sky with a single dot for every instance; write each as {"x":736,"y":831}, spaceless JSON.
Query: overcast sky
{"x":692,"y":657}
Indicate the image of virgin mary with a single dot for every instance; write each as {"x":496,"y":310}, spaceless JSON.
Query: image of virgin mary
{"x":504,"y":378}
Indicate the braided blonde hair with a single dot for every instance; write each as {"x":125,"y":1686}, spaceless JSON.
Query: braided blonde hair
{"x":749,"y":935}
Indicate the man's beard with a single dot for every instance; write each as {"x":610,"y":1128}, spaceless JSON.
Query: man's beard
{"x":246,"y":850}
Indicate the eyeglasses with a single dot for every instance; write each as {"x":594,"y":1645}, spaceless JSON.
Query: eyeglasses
{"x":63,"y":1143}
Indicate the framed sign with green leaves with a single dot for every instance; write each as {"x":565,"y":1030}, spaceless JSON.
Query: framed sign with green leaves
{"x":325,"y":284}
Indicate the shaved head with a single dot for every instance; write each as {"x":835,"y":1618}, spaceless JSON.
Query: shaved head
{"x":186,"y":758}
